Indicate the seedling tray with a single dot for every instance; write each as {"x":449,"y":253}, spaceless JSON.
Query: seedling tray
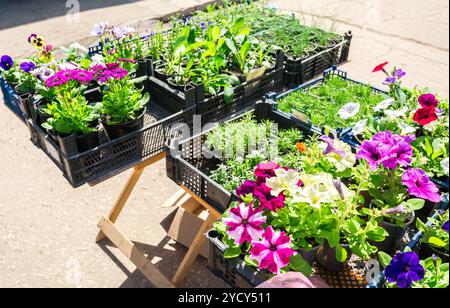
{"x":193,"y":173}
{"x":300,"y":70}
{"x":333,"y":71}
{"x":111,"y":157}
{"x":11,"y":99}
{"x":215,"y":108}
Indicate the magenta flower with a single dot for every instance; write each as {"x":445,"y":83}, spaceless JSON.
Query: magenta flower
{"x":265,"y":171}
{"x":245,"y":223}
{"x":428,"y":101}
{"x":331,"y":148}
{"x":83,"y":76}
{"x":126,"y":60}
{"x":119,"y":73}
{"x":246,"y":189}
{"x":56,"y":81}
{"x":67,"y":74}
{"x":401,"y":154}
{"x":370,"y":152}
{"x":420,"y":186}
{"x":267,"y":200}
{"x":112,"y":66}
{"x":273,"y":252}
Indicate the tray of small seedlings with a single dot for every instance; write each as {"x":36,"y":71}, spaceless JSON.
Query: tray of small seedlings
{"x":329,"y":209}
{"x":10,"y":99}
{"x":355,"y":111}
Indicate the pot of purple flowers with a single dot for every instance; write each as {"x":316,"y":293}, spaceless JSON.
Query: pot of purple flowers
{"x":435,"y":236}
{"x":404,"y":270}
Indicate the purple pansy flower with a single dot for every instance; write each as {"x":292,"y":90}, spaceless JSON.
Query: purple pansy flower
{"x":420,"y":185}
{"x":28,"y":66}
{"x":331,"y":148}
{"x":6,"y":62}
{"x":405,"y":269}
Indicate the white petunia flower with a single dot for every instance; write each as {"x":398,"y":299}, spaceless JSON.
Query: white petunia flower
{"x":406,"y":129}
{"x":431,"y":127}
{"x":394,"y":114}
{"x":444,"y":165}
{"x":97,"y":59}
{"x":349,"y":111}
{"x":78,"y":47}
{"x":384,"y":105}
{"x":283,"y":181}
{"x":360,"y":127}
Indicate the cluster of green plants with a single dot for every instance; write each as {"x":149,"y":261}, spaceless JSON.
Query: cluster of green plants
{"x":321,"y":104}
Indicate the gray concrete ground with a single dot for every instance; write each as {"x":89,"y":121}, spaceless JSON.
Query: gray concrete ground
{"x":47,"y":229}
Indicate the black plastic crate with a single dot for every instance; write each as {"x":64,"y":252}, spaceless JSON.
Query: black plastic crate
{"x":111,"y":157}
{"x":237,"y":274}
{"x":185,"y":169}
{"x":216,"y":108}
{"x":300,"y":70}
{"x":11,"y":99}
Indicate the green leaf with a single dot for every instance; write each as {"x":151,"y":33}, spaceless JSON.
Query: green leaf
{"x":428,"y":147}
{"x":436,"y":242}
{"x":341,"y":254}
{"x":384,"y":259}
{"x":415,"y":204}
{"x":421,"y":226}
{"x":220,"y":227}
{"x":250,"y":262}
{"x":334,"y":239}
{"x":231,"y":253}
{"x":301,"y":265}
{"x":228,"y":94}
{"x":238,"y":25}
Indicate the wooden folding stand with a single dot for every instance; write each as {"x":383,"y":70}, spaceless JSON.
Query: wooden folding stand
{"x":109,"y":230}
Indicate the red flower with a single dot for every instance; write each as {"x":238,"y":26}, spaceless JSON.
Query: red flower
{"x":425,"y":116}
{"x":428,"y":101}
{"x":380,"y":67}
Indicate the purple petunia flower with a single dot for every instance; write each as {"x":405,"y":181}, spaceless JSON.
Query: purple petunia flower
{"x":390,"y":80}
{"x":245,"y":223}
{"x":401,"y":154}
{"x":405,"y":269}
{"x":28,"y":66}
{"x":370,"y":152}
{"x":445,"y":226}
{"x":331,"y":148}
{"x":6,"y":62}
{"x":246,"y":189}
{"x":267,"y":200}
{"x":420,"y":185}
{"x":428,"y":101}
{"x":399,"y":73}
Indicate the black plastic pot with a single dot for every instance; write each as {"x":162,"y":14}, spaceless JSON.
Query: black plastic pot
{"x":426,"y":251}
{"x":326,"y":257}
{"x":160,"y":72}
{"x":41,"y":116}
{"x":94,"y":95}
{"x":83,"y":142}
{"x":142,"y":69}
{"x":123,"y":129}
{"x":26,"y":104}
{"x":396,"y":234}
{"x":426,"y":211}
{"x":175,"y":86}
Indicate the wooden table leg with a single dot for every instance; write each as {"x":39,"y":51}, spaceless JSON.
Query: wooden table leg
{"x":193,"y":252}
{"x":122,"y":199}
{"x":130,"y":250}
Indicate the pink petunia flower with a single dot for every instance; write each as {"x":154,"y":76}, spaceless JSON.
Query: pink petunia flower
{"x":245,"y":223}
{"x":267,"y":200}
{"x":420,"y":186}
{"x":370,"y":152}
{"x":265,"y":171}
{"x":401,"y":154}
{"x":273,"y":252}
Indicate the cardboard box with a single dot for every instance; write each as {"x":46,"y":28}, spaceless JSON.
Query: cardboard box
{"x":188,"y":220}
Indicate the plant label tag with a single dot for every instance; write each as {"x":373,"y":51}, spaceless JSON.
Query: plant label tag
{"x":302,"y":116}
{"x":253,"y":74}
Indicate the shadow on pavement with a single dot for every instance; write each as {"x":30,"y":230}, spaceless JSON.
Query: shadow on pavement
{"x":19,"y":12}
